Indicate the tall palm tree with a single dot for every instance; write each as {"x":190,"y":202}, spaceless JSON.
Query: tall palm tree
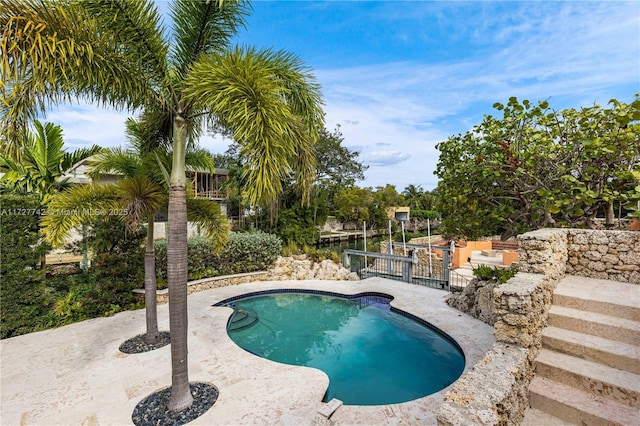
{"x":119,"y":54}
{"x":42,"y":163}
{"x":141,"y":192}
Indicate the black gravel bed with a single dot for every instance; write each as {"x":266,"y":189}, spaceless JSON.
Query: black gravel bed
{"x":153,"y":411}
{"x":137,"y":345}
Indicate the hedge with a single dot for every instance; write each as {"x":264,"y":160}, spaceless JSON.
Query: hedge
{"x":244,"y":252}
{"x":23,"y":291}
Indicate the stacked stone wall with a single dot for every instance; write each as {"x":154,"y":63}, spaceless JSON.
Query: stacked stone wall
{"x":609,"y":255}
{"x":544,"y":252}
{"x":492,"y":393}
{"x":476,"y":299}
{"x":285,"y":268}
{"x":495,"y":392}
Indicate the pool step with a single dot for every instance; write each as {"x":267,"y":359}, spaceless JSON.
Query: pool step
{"x":241,"y":319}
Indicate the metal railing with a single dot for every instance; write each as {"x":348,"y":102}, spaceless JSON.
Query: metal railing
{"x":401,"y":268}
{"x":457,"y":281}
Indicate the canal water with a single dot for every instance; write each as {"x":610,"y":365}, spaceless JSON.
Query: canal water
{"x":353,"y":244}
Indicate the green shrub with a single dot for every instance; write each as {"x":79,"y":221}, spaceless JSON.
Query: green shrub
{"x":424,"y":214}
{"x":249,"y":252}
{"x":244,"y":252}
{"x":25,"y":298}
{"x":201,"y":258}
{"x":502,"y":275}
{"x":296,"y":225}
{"x":290,"y":249}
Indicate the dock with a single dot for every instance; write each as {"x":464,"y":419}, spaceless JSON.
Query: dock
{"x":340,"y":236}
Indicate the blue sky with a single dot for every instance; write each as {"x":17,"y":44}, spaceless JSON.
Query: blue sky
{"x":398,"y":77}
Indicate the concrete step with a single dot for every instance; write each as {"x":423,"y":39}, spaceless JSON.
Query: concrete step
{"x":600,"y":296}
{"x":595,"y":378}
{"x":579,"y":407}
{"x":535,"y":417}
{"x":610,"y":327}
{"x":614,"y":354}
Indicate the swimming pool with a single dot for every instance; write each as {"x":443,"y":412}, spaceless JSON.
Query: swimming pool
{"x":371,"y":354}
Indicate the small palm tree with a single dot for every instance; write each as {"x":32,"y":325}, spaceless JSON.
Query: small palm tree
{"x":42,"y":163}
{"x":139,"y":195}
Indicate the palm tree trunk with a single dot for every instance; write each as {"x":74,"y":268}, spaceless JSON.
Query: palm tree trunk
{"x":150,"y":287}
{"x":177,"y":272}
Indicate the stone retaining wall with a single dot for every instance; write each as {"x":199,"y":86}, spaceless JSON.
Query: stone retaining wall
{"x":285,"y":268}
{"x":609,"y":255}
{"x":162,"y":296}
{"x":495,"y":392}
{"x":491,"y":393}
{"x":476,"y":299}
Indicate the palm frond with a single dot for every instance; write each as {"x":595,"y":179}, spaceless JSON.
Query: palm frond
{"x":201,"y":27}
{"x":152,"y":130}
{"x":210,"y":218}
{"x":70,"y":159}
{"x":140,"y":197}
{"x":77,"y":205}
{"x":57,"y":51}
{"x":199,"y":159}
{"x":44,"y":148}
{"x":136,"y":26}
{"x":270,"y":112}
{"x":115,"y":161}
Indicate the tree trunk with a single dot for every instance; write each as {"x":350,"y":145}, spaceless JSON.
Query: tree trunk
{"x":609,"y":214}
{"x":150,"y":287}
{"x":177,"y":272}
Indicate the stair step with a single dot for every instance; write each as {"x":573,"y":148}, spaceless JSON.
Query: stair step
{"x":535,"y":417}
{"x":600,"y":296}
{"x":593,"y":348}
{"x":610,"y":327}
{"x":579,"y":407}
{"x":589,"y":376}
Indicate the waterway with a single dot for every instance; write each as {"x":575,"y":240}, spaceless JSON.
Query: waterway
{"x":353,"y":244}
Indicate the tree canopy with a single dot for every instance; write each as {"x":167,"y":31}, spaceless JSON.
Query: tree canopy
{"x":536,"y":167}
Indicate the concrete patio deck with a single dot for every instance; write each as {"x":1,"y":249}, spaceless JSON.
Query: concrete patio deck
{"x":75,"y":375}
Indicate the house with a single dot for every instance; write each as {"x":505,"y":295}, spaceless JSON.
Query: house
{"x":210,"y":185}
{"x":398,"y":213}
{"x":205,"y":185}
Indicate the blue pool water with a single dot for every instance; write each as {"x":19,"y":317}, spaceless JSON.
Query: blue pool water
{"x":372,"y":355}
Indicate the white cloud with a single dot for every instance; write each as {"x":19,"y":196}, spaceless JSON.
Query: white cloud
{"x":395,"y":113}
{"x":385,"y":158}
{"x":85,"y":125}
{"x":568,"y":52}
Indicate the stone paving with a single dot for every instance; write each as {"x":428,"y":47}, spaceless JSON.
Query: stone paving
{"x":75,"y":375}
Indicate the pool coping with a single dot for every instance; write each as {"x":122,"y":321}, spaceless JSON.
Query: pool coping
{"x":474,"y":337}
{"x":76,"y":375}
